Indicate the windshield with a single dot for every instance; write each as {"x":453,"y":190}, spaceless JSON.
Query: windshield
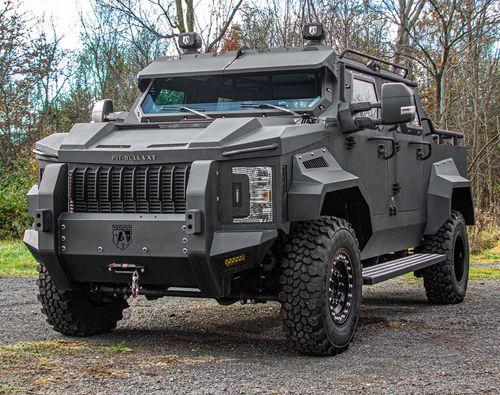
{"x":223,"y":93}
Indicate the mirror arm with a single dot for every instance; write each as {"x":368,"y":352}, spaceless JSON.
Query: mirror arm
{"x":367,"y":122}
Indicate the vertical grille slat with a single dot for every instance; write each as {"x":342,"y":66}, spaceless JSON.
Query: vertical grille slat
{"x":153,"y":189}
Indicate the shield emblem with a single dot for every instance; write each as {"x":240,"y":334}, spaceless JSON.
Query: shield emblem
{"x":313,"y":29}
{"x":186,"y":39}
{"x":122,"y":236}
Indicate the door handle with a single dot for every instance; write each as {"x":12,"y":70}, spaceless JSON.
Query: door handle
{"x":393,"y":145}
{"x":423,"y":143}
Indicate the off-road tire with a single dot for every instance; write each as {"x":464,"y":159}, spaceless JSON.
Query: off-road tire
{"x":446,"y":282}
{"x":306,"y":273}
{"x":73,"y":313}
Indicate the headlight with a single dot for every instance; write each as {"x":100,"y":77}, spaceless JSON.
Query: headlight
{"x":260,"y":190}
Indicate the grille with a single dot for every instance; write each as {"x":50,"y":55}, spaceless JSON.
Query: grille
{"x":315,"y":163}
{"x":154,"y":189}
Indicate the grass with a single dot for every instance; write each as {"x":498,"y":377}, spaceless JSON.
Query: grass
{"x":487,"y":256}
{"x":39,"y":349}
{"x":115,"y":349}
{"x":15,"y":259}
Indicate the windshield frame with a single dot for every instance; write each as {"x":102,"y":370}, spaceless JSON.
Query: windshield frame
{"x":325,"y":99}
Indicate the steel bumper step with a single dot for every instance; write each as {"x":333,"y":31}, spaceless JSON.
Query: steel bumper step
{"x":387,"y":270}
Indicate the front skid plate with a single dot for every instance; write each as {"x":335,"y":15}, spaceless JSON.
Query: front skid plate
{"x":123,"y":235}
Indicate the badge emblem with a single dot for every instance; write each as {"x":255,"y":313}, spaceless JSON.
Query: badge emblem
{"x":186,"y":39}
{"x":313,"y":29}
{"x":122,"y":236}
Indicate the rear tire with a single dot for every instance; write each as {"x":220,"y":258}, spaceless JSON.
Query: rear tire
{"x":76,"y":313}
{"x":446,"y":282}
{"x":321,"y":286}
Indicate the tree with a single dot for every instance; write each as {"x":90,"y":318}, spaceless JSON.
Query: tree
{"x":166,"y":19}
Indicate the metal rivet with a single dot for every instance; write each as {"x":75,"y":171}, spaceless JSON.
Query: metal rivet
{"x":63,"y":238}
{"x":63,"y":248}
{"x":63,"y":226}
{"x":321,"y":107}
{"x":300,"y":157}
{"x":324,"y":150}
{"x":99,"y":249}
{"x":185,"y":250}
{"x":328,"y":89}
{"x":145,"y":249}
{"x":183,"y":227}
{"x":312,"y":153}
{"x":184,"y":240}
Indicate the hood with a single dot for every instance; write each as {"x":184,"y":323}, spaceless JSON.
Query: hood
{"x":220,"y":139}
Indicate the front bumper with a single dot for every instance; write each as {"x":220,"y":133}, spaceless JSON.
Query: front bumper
{"x":79,"y":247}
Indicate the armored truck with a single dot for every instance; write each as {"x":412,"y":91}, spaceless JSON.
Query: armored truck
{"x":295,"y":175}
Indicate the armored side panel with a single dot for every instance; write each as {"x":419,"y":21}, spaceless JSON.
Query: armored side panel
{"x":445,"y":181}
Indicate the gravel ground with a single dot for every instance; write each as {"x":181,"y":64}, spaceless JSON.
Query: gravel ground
{"x":172,"y":345}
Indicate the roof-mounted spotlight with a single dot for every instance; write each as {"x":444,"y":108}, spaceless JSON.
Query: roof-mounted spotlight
{"x":314,"y":33}
{"x":189,"y":42}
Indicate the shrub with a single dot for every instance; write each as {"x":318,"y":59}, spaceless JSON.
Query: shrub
{"x":15,"y":181}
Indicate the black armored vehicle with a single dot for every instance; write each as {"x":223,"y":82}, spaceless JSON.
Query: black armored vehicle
{"x":295,"y":174}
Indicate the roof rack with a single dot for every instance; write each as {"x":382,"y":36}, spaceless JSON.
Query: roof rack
{"x":371,"y":57}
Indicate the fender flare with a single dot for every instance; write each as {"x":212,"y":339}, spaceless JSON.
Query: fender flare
{"x":313,"y":180}
{"x":445,"y":186}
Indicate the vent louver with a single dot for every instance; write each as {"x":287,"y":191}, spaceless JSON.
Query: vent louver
{"x":112,"y":146}
{"x":315,"y":163}
{"x":171,"y":145}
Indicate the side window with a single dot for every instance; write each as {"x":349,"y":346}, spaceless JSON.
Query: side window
{"x":363,"y":90}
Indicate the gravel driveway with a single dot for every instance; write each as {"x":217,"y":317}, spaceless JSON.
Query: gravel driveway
{"x":176,"y":345}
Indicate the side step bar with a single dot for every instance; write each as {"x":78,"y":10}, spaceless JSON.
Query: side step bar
{"x":387,"y":270}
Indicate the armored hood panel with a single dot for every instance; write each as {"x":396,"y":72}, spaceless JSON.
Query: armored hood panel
{"x":251,"y":60}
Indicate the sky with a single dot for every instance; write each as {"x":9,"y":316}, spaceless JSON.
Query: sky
{"x":63,"y":13}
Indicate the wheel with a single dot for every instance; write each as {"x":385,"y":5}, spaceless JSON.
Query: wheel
{"x":77,"y":313}
{"x":446,"y":282}
{"x":321,"y":286}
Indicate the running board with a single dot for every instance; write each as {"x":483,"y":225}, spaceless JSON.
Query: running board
{"x":387,"y":270}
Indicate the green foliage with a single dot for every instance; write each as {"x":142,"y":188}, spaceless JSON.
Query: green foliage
{"x":15,"y":181}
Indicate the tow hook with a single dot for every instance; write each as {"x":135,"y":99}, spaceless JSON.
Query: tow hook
{"x":135,"y":287}
{"x":128,"y":268}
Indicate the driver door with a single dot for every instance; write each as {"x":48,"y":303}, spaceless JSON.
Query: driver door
{"x":365,"y":151}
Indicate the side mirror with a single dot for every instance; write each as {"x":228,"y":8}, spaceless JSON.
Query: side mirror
{"x":397,"y":104}
{"x":101,"y":110}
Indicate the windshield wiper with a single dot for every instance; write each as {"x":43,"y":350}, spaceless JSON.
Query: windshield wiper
{"x":268,"y":105}
{"x":191,"y":110}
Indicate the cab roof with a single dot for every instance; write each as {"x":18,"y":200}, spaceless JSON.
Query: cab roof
{"x":307,"y":57}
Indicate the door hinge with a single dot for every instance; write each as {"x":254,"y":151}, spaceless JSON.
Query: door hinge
{"x":350,"y":142}
{"x":393,"y":210}
{"x":396,"y":187}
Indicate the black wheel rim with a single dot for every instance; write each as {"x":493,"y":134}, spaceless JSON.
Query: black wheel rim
{"x":459,"y":258}
{"x":340,"y":290}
